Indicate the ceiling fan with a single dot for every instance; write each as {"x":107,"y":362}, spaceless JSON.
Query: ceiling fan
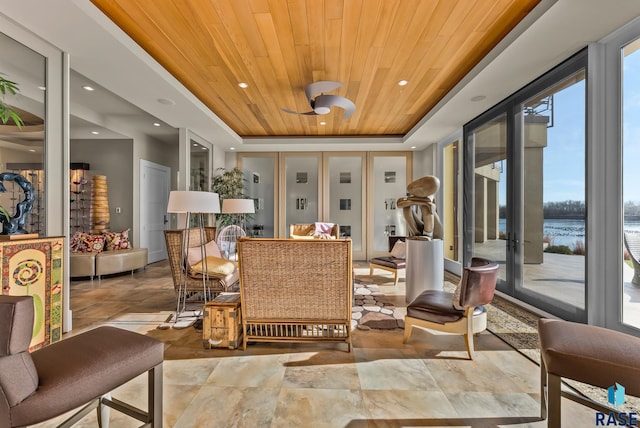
{"x":321,"y":103}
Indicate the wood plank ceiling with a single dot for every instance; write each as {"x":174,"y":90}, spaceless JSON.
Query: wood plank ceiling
{"x":278,"y":47}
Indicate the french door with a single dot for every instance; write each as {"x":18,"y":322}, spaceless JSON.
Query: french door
{"x":525,"y":191}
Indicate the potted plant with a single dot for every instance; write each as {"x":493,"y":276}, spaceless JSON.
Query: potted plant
{"x":7,"y":113}
{"x":228,"y":184}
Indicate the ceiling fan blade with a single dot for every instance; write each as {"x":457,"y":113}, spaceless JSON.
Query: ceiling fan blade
{"x":316,"y":88}
{"x":325,"y":101}
{"x":286,"y":110}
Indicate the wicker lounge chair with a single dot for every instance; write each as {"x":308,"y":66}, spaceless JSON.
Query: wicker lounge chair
{"x":194,"y":288}
{"x":296,"y":290}
{"x":306,"y":231}
{"x":632,"y":242}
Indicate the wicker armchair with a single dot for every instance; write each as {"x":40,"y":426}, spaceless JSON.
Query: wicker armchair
{"x":296,"y":290}
{"x":306,"y":231}
{"x":194,"y":284}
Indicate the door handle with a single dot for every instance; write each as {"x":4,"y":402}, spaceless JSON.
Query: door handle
{"x":165,"y":219}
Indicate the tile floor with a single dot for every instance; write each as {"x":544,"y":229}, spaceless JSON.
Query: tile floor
{"x":382,"y":383}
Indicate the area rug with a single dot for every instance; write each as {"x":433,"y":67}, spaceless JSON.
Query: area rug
{"x":519,"y":328}
{"x":372,"y":310}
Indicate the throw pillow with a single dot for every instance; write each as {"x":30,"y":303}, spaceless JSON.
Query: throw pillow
{"x":75,"y":241}
{"x":399,"y":250}
{"x":116,"y":240}
{"x":194,"y":254}
{"x":323,"y":227}
{"x":214,"y":266}
{"x":90,"y":243}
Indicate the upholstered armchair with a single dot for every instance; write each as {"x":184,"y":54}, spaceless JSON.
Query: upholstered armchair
{"x":78,"y":371}
{"x":461,"y":312}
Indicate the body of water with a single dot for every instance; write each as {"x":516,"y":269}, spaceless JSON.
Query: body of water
{"x":568,"y":232}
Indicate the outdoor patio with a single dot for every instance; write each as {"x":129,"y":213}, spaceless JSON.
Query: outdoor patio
{"x":561,"y":277}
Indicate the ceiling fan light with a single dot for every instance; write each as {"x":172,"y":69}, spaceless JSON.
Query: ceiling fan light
{"x":322,"y":110}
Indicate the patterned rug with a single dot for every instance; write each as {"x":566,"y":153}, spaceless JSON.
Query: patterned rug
{"x":519,"y":328}
{"x":371,"y":309}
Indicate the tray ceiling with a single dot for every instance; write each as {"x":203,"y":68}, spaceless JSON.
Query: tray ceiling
{"x":278,"y":47}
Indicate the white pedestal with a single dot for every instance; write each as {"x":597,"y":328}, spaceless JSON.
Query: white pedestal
{"x":425,"y":266}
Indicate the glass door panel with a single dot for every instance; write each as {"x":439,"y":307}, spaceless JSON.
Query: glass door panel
{"x":554,"y":212}
{"x":344,"y":197}
{"x":261,"y":185}
{"x":301,"y":189}
{"x":489,"y":199}
{"x":630,"y":179}
{"x":388,"y":178}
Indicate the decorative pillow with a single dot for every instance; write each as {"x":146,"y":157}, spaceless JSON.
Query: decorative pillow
{"x":214,"y":266}
{"x":456,"y":297}
{"x":323,"y":227}
{"x":116,"y":240}
{"x":194,"y":254}
{"x":75,"y":241}
{"x":399,"y":250}
{"x":90,"y":243}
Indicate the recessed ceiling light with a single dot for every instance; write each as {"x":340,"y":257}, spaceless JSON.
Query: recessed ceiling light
{"x":156,"y":124}
{"x":32,"y":150}
{"x":413,"y":147}
{"x":323,"y":123}
{"x":195,"y":144}
{"x":166,"y":101}
{"x":204,"y":148}
{"x":95,"y":132}
{"x":243,"y":85}
{"x":88,"y":88}
{"x":42,"y":88}
{"x":403,"y":82}
{"x":478,"y":98}
{"x":232,"y":148}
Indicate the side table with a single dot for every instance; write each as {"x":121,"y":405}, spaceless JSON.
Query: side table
{"x":222,"y":322}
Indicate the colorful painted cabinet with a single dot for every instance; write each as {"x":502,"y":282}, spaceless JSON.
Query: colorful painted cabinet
{"x":34,"y":267}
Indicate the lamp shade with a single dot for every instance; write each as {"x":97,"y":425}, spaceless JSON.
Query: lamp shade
{"x":238,"y":206}
{"x":192,"y":201}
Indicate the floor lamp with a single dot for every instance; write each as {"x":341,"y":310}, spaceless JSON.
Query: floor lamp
{"x":239,"y":207}
{"x":187,"y":202}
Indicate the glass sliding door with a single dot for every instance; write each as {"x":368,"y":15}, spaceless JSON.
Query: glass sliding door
{"x":554,"y":208}
{"x":489,"y":232}
{"x":525,"y":191}
{"x":345,"y":197}
{"x":630,"y":178}
{"x":261,"y":184}
{"x":389,"y":174}
{"x":301,"y":189}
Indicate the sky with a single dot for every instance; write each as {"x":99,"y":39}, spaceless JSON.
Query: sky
{"x":564,"y":156}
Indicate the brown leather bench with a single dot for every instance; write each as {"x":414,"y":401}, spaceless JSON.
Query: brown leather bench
{"x":585,"y":353}
{"x":84,"y":368}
